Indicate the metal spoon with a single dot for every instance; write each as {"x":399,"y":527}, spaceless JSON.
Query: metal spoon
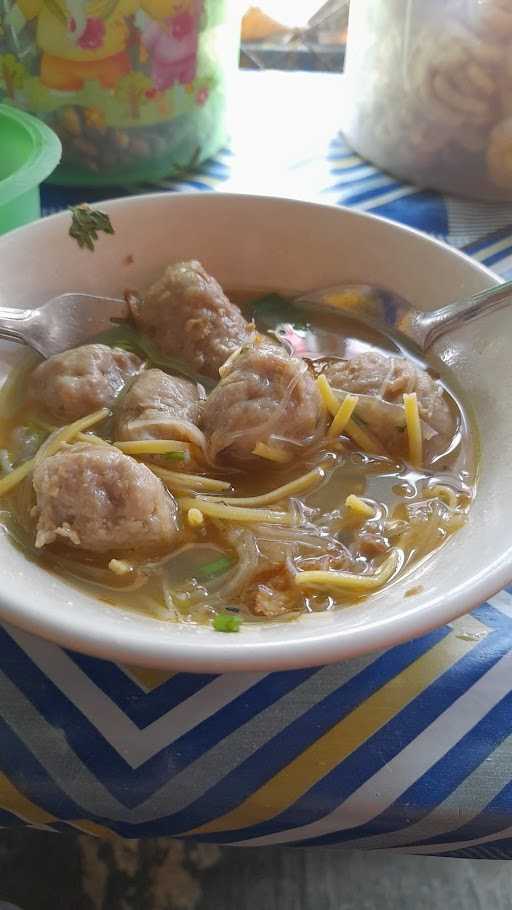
{"x":73,"y":319}
{"x":387,"y":312}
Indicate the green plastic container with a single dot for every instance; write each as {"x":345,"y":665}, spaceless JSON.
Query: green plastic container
{"x":29,"y":152}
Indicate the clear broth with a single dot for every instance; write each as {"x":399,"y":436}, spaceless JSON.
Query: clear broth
{"x":392,"y":486}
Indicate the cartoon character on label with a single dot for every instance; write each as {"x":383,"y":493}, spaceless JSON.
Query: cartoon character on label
{"x":84,"y":40}
{"x":172,"y":46}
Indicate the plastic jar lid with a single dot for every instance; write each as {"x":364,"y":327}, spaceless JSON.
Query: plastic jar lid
{"x":30,"y":152}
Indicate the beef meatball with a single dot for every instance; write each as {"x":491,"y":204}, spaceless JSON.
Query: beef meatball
{"x":158,"y":406}
{"x":381,"y":382}
{"x":82,"y":380}
{"x":187,"y":314}
{"x":264,"y":396}
{"x":94,"y":498}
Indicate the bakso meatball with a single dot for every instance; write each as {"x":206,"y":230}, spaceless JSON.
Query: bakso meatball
{"x":265,"y":396}
{"x":187,"y":314}
{"x":381,"y":382}
{"x":81,"y":380}
{"x":158,"y":406}
{"x":96,"y":499}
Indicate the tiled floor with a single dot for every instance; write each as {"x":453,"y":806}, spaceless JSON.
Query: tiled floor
{"x":40,"y":871}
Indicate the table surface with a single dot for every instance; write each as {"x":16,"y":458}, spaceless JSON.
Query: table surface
{"x":410,"y":749}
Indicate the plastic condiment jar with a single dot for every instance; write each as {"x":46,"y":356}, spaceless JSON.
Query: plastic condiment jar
{"x":136,"y":89}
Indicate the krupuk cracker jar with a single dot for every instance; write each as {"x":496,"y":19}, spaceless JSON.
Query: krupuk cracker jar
{"x":429,"y":92}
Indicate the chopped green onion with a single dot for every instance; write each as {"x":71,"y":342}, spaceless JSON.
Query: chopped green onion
{"x":224,"y":622}
{"x":213,"y":569}
{"x":174,"y":456}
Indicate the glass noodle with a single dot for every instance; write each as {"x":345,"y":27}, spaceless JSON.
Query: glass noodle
{"x":285,"y":537}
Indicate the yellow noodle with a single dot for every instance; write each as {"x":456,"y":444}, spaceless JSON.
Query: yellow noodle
{"x":92,"y":439}
{"x":284,"y":492}
{"x":366,"y":441}
{"x":15,"y":477}
{"x":178,"y":481}
{"x":446,"y":494}
{"x":362,"y":438}
{"x":328,"y":397}
{"x":195,"y":518}
{"x":120,"y":566}
{"x":355,"y":504}
{"x":271,"y":453}
{"x":152,"y":446}
{"x":72,"y":429}
{"x":413,"y":423}
{"x":347,"y":581}
{"x":343,"y":415}
{"x":233,"y":513}
{"x":61,"y":438}
{"x":226,"y":366}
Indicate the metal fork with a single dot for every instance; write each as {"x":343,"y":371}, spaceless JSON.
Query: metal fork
{"x":64,"y":322}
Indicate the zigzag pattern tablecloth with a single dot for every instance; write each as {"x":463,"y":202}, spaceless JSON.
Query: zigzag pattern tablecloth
{"x":409,"y":750}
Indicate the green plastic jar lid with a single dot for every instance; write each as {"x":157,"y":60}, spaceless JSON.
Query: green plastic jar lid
{"x":30,"y":151}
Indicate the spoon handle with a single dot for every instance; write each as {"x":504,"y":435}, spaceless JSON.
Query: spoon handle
{"x":14,"y":323}
{"x":428,"y":327}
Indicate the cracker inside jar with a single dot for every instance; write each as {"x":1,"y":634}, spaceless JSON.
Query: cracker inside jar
{"x":439,"y":113}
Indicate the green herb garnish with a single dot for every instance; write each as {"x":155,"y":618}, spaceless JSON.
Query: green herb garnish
{"x":127,"y":338}
{"x":273,"y":310}
{"x":174,"y":456}
{"x":224,"y":622}
{"x":86,"y":223}
{"x":214,"y":569}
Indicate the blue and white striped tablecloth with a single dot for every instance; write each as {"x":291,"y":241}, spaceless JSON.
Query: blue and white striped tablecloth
{"x":409,"y":750}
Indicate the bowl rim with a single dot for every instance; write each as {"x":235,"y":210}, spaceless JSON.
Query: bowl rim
{"x":44,"y":156}
{"x":227,"y":653}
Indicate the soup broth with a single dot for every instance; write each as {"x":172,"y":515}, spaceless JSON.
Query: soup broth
{"x":326,"y":527}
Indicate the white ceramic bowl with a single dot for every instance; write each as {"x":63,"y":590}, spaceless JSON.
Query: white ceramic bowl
{"x":272,"y":243}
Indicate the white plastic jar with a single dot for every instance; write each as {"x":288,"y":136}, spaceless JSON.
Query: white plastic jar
{"x":429,"y":92}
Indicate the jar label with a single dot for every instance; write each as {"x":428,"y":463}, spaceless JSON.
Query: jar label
{"x":107,"y":68}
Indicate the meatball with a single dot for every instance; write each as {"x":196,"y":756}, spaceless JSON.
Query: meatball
{"x":96,"y":499}
{"x":187,"y":314}
{"x":264,"y":396}
{"x":381,"y":381}
{"x":81,"y":380}
{"x":158,"y":406}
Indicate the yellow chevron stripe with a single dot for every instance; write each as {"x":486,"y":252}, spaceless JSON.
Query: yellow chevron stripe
{"x":13,"y":801}
{"x":289,"y":784}
{"x":346,"y":162}
{"x":96,"y":830}
{"x":148,"y":679}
